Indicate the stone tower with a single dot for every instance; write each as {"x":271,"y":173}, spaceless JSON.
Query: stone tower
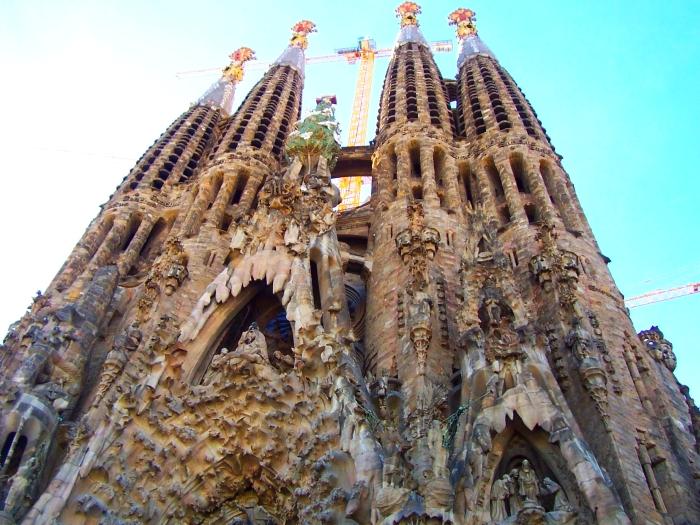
{"x":223,"y":347}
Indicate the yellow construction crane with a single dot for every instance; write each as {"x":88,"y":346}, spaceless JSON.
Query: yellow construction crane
{"x":365,"y":53}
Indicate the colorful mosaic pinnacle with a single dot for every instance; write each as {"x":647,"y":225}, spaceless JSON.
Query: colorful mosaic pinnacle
{"x":234,"y":71}
{"x":300,"y":31}
{"x":465,"y":20}
{"x":408,"y":12}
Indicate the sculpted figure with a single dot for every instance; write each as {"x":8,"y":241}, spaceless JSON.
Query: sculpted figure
{"x":579,"y":340}
{"x":514,"y":503}
{"x":560,"y":501}
{"x":117,"y":358}
{"x":20,"y":484}
{"x":499,"y":493}
{"x":527,"y":482}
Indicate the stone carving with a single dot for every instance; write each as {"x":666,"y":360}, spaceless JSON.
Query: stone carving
{"x":528,"y":486}
{"x":169,"y":271}
{"x":417,"y":245}
{"x":561,"y":503}
{"x":419,"y":321}
{"x":499,"y":493}
{"x":123,"y":347}
{"x":590,"y":368}
{"x":658,"y":347}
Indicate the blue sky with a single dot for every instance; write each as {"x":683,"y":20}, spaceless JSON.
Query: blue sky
{"x":87,"y":86}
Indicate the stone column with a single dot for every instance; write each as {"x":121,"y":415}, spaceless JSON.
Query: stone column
{"x":427,"y":168}
{"x":510,"y":189}
{"x":382,"y":175}
{"x":199,"y":206}
{"x":216,"y":214}
{"x":82,"y":253}
{"x":485,"y":191}
{"x":403,"y":170}
{"x":566,"y":208}
{"x":645,"y":460}
{"x":249,"y":192}
{"x":111,"y":245}
{"x":639,"y":385}
{"x":538,"y":189}
{"x":452,"y":193}
{"x":131,"y":254}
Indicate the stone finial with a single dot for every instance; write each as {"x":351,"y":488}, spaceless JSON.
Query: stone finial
{"x":464,"y":20}
{"x":300,"y":31}
{"x":234,"y":71}
{"x":408,"y":12}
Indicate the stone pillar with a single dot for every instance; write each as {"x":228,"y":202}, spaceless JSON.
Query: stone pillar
{"x":427,"y":168}
{"x":450,"y":181}
{"x":538,"y":189}
{"x":645,"y":460}
{"x":485,"y":191}
{"x":250,"y":192}
{"x":639,"y":385}
{"x":566,"y":208}
{"x":110,"y":246}
{"x":382,"y":171}
{"x":216,"y":214}
{"x":82,"y":253}
{"x":107,"y":250}
{"x":403,"y":170}
{"x":510,"y":189}
{"x":131,"y":254}
{"x":199,"y":206}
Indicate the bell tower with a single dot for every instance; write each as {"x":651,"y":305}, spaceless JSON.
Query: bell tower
{"x":224,"y":345}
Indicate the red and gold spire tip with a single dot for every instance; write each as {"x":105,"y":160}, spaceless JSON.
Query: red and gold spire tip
{"x":465,"y":20}
{"x":234,"y":71}
{"x":408,"y":13}
{"x":300,"y":30}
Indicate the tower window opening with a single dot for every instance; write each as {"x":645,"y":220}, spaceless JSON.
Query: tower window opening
{"x":215,"y":187}
{"x":133,"y":227}
{"x":417,"y":191}
{"x":494,"y":180}
{"x":226,"y":222}
{"x":414,"y":156}
{"x":152,"y":246}
{"x":466,"y":176}
{"x":315,"y":289}
{"x":11,"y":464}
{"x":516,"y":165}
{"x":240,"y":186}
{"x":439,"y":166}
{"x":531,"y":213}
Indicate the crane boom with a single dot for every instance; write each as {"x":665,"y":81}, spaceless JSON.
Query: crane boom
{"x":666,"y":294}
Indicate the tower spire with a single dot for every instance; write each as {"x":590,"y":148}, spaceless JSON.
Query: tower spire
{"x":408,"y":13}
{"x":220,"y":94}
{"x":469,"y":42}
{"x":293,"y":56}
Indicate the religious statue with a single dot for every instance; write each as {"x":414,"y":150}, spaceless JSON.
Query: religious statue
{"x":117,"y":358}
{"x":561,"y":504}
{"x":514,"y":503}
{"x":528,"y":487}
{"x":499,"y":493}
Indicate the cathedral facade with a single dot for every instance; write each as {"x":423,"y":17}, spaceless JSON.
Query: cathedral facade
{"x":223,"y":346}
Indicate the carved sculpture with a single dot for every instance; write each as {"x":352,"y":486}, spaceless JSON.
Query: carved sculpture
{"x":123,"y":347}
{"x":659,"y":347}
